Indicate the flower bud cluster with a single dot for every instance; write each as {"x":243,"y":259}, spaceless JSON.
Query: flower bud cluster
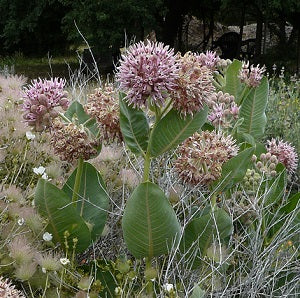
{"x":193,"y":86}
{"x":103,"y":105}
{"x":251,"y":179}
{"x":41,"y":100}
{"x":223,"y":109}
{"x":71,"y":141}
{"x":267,"y":164}
{"x":202,"y":155}
{"x":285,"y":153}
{"x":7,"y":289}
{"x":252,"y":76}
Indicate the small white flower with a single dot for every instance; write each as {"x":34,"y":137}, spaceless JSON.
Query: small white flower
{"x":64,"y":261}
{"x":45,"y":176}
{"x":47,"y":236}
{"x":39,"y":171}
{"x":21,"y":221}
{"x":44,"y":270}
{"x":168,"y":287}
{"x":118,"y":291}
{"x":30,"y":136}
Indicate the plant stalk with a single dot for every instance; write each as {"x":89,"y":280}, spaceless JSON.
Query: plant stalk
{"x":77,"y":180}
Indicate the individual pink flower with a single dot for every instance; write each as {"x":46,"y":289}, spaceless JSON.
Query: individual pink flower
{"x":193,"y":85}
{"x":209,"y":59}
{"x":41,"y":99}
{"x":201,"y":156}
{"x":251,"y":77}
{"x":285,"y":153}
{"x":147,"y":71}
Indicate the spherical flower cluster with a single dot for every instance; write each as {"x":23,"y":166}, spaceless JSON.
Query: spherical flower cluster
{"x":71,"y":141}
{"x":202,"y":155}
{"x":103,"y":105}
{"x":285,"y":153}
{"x":7,"y":289}
{"x":223,"y":109}
{"x":253,"y":76}
{"x":41,"y":99}
{"x":147,"y":71}
{"x":193,"y":86}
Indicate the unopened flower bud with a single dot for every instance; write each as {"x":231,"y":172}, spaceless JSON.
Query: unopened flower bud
{"x":254,"y":158}
{"x":268,"y":155}
{"x":272,"y":166}
{"x":274,"y":159}
{"x":259,"y":164}
{"x":273,"y":173}
{"x":263,"y":156}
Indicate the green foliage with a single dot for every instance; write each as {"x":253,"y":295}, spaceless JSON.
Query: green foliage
{"x":134,"y":126}
{"x":93,"y":198}
{"x":253,"y":110}
{"x":56,"y":206}
{"x":172,"y":130}
{"x":76,"y":111}
{"x":234,"y":170}
{"x":232,"y":84}
{"x":149,"y":223}
{"x":215,"y":225}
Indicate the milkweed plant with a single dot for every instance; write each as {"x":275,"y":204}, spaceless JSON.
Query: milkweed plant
{"x":175,"y":147}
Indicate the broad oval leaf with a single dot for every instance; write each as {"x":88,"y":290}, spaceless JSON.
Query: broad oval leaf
{"x":134,"y":127}
{"x":172,"y":130}
{"x":253,"y":110}
{"x":198,"y":292}
{"x":234,"y":169}
{"x":93,"y":198}
{"x":56,"y":206}
{"x":150,"y":225}
{"x":201,"y":232}
{"x":233,"y":85}
{"x":76,"y":109}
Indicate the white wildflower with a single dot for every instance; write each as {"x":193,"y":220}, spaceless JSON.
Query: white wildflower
{"x":21,"y":221}
{"x":44,"y":270}
{"x":64,"y":261}
{"x":47,"y":236}
{"x":39,"y":171}
{"x":30,"y":136}
{"x":45,"y":176}
{"x":168,"y":287}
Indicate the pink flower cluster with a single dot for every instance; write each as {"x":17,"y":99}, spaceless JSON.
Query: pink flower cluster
{"x":147,"y":71}
{"x":223,"y":109}
{"x":103,"y":105}
{"x":285,"y":153}
{"x":252,"y":76}
{"x":41,"y":99}
{"x":70,"y":141}
{"x":193,"y":85}
{"x":201,"y":157}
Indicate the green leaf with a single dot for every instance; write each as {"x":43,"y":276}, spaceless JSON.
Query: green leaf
{"x":76,"y":110}
{"x":55,"y":205}
{"x":233,"y":85}
{"x":198,"y":292}
{"x":93,"y":199}
{"x":233,"y":171}
{"x":150,"y":225}
{"x":204,"y":230}
{"x":253,"y":110}
{"x":173,"y":130}
{"x":276,"y":189}
{"x":134,"y":127}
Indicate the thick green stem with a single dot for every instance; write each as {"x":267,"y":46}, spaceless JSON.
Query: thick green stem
{"x":77,"y":180}
{"x":149,"y":282}
{"x":147,"y":167}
